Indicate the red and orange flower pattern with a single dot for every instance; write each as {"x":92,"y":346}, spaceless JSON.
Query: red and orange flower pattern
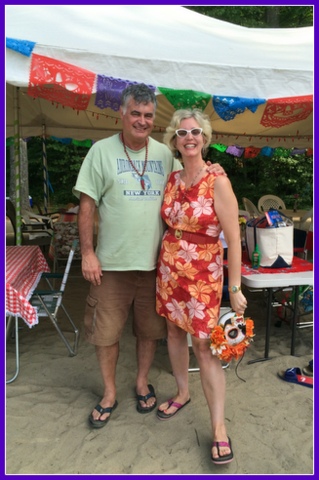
{"x":190,"y":276}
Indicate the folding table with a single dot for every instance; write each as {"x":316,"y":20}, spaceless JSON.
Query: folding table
{"x":24,"y":267}
{"x":300,"y":274}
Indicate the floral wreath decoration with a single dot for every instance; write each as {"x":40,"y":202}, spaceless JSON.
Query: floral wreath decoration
{"x":231,"y":336}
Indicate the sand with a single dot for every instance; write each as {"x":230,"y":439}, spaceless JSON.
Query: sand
{"x":269,"y":421}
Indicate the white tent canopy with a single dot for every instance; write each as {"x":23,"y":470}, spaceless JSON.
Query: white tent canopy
{"x":164,"y":46}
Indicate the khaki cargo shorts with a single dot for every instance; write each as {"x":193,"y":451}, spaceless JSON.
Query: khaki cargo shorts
{"x":108,"y":306}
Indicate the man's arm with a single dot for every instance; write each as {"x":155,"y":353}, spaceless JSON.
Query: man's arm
{"x":211,"y":167}
{"x":91,"y":268}
{"x":215,"y":168}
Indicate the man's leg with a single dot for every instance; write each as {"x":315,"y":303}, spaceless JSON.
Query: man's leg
{"x":106,"y":312}
{"x":145,"y":351}
{"x":148,"y":326}
{"x":107,"y":358}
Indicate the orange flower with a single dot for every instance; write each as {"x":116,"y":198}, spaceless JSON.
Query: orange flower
{"x":207,"y":187}
{"x":170,"y":193}
{"x":191,"y":223}
{"x":201,"y":291}
{"x":164,"y":289}
{"x":207,"y":251}
{"x":249,"y":327}
{"x":170,"y":251}
{"x":186,"y":270}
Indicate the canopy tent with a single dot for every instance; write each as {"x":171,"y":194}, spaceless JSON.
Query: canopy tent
{"x":71,"y":62}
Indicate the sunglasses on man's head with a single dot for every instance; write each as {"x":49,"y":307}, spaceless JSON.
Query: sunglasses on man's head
{"x":194,"y":131}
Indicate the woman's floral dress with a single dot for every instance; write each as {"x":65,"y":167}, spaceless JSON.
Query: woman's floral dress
{"x":190,"y":276}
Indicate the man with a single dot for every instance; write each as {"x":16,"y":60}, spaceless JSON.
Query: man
{"x":124,"y":176}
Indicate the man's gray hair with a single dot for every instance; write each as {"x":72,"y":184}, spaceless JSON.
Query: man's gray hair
{"x":141,"y":93}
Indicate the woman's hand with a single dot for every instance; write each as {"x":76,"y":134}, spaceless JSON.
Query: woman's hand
{"x":238,"y":302}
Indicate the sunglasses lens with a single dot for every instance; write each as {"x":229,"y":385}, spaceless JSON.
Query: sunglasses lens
{"x":196,"y":131}
{"x":181,"y":133}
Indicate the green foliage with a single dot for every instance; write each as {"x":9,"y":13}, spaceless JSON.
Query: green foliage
{"x":280,"y":175}
{"x":64,"y":162}
{"x":284,"y":176}
{"x":259,"y":16}
{"x":291,"y":17}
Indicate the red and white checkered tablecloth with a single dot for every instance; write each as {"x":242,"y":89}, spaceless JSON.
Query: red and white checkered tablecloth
{"x":24,"y":267}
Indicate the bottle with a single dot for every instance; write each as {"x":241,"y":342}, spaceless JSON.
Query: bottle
{"x":255,"y":259}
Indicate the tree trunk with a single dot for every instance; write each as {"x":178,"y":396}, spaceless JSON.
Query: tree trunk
{"x":272,"y":14}
{"x":24,"y":177}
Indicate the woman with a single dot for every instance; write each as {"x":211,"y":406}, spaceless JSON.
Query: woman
{"x":197,"y":206}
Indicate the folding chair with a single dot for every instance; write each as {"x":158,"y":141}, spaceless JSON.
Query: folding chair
{"x":309,"y":245}
{"x":300,"y":237}
{"x":303,"y":242}
{"x":48,"y":302}
{"x":64,"y":233}
{"x":305,"y":307}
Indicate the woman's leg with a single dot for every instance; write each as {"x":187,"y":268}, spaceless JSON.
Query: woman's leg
{"x":179,"y":357}
{"x":214,"y":387}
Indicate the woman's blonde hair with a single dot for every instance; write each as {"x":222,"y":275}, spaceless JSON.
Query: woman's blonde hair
{"x":201,"y":118}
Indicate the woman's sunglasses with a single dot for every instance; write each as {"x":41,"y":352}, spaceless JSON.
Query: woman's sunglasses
{"x":194,"y":131}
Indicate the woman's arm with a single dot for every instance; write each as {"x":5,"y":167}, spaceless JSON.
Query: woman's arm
{"x":226,"y":208}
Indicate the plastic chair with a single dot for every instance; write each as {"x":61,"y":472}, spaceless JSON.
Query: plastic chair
{"x":32,"y":233}
{"x":31,"y":218}
{"x":244,"y":213}
{"x":250,"y":207}
{"x":48,"y":302}
{"x":306,"y":221}
{"x":266,"y":202}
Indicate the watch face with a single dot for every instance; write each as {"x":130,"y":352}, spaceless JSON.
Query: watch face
{"x":235,"y":289}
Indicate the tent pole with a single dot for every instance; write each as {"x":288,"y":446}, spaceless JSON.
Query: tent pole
{"x":45,"y":172}
{"x":16,"y":138}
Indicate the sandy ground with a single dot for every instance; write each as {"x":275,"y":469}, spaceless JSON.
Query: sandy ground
{"x":269,"y":421}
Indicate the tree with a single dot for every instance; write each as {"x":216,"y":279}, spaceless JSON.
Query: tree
{"x":281,"y":175}
{"x":64,"y":162}
{"x":24,"y":179}
{"x":261,"y":17}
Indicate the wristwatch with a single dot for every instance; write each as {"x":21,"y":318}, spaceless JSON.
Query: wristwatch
{"x":234,"y":289}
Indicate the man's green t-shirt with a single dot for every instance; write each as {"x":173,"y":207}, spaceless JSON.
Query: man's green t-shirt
{"x":130,"y":225}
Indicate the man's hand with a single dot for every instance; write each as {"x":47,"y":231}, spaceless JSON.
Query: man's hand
{"x":91,"y":269}
{"x":215,"y":168}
